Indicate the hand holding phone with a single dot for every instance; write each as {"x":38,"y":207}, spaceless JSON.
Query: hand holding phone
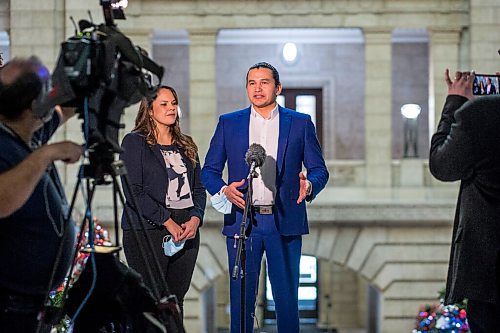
{"x":461,"y":84}
{"x":486,"y":84}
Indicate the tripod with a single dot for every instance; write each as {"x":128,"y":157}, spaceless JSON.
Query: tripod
{"x":104,"y":170}
{"x":239,"y":268}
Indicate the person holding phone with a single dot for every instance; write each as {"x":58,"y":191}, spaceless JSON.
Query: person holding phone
{"x":466,"y":148}
{"x":164,"y":176}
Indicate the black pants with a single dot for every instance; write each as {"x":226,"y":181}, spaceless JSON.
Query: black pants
{"x":483,"y":317}
{"x":18,"y":312}
{"x":177,"y":270}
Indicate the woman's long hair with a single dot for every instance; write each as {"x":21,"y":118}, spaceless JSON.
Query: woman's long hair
{"x":145,"y":124}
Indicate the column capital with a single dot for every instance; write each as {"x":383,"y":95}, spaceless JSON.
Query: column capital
{"x":378,"y":30}
{"x":205,"y":36}
{"x":444,"y":36}
{"x":378,"y":35}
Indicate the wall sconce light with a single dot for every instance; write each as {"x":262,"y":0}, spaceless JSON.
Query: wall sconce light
{"x":410,"y":114}
{"x":290,"y":52}
{"x":120,"y":4}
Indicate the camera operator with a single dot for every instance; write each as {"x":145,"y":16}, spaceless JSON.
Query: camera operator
{"x":32,"y":199}
{"x":466,"y":147}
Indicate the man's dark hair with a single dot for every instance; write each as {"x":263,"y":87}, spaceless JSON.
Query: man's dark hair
{"x":20,"y":85}
{"x":276,"y":75}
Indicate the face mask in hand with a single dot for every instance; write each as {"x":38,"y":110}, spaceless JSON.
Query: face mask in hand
{"x":221,"y":203}
{"x":170,"y":247}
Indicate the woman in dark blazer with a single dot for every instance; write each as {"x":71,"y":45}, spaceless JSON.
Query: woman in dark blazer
{"x":164,"y":177}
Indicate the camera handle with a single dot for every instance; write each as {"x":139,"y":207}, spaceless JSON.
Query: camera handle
{"x":107,"y":12}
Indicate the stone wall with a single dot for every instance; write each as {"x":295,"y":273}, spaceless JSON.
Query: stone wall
{"x":404,"y":259}
{"x":393,"y":238}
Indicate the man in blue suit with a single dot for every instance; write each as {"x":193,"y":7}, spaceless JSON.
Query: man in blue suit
{"x":278,"y":212}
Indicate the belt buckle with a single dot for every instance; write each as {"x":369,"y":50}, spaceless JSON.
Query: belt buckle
{"x":266,"y":210}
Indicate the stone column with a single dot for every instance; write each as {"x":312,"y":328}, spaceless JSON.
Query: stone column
{"x":378,"y":107}
{"x":444,"y":53}
{"x":37,"y":28}
{"x":483,"y":44}
{"x":202,"y":95}
{"x":142,"y":38}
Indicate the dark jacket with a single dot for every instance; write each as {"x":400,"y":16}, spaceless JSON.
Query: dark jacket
{"x":29,"y":239}
{"x":466,"y":147}
{"x":147,"y":176}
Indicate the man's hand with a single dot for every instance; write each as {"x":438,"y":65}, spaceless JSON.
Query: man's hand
{"x":22,"y":179}
{"x":304,"y":187}
{"x":462,"y":85}
{"x":190,"y":227}
{"x":66,"y":151}
{"x":64,"y":112}
{"x":235,"y":196}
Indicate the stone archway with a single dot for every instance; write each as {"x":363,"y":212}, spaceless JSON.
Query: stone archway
{"x":403,"y":257}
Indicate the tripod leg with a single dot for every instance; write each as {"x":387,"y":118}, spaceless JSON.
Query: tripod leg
{"x":47,"y":311}
{"x":240,"y":259}
{"x":86,"y":218}
{"x":243,"y":291}
{"x":121,"y":196}
{"x":115,"y":213}
{"x":170,"y":303}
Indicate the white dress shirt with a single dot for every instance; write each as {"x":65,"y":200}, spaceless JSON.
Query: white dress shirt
{"x":265,"y":132}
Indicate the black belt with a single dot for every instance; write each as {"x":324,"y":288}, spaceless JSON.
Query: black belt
{"x":263,"y":210}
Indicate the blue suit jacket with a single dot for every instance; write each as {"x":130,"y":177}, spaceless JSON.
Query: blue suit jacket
{"x":297,"y":145}
{"x":148,"y":180}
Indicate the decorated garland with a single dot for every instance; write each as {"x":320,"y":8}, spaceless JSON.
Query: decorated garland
{"x":442,"y":318}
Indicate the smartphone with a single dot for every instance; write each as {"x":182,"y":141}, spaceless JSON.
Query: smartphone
{"x":486,"y":84}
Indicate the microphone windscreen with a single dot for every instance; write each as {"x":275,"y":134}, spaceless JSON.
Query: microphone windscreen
{"x":255,"y":153}
{"x":84,"y":25}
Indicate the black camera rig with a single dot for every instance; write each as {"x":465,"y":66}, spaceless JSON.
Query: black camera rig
{"x":100,"y":72}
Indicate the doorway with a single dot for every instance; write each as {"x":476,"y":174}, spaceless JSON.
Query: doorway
{"x":308,"y":293}
{"x":308,"y":101}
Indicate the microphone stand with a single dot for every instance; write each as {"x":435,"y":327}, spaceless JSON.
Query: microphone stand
{"x":240,"y":260}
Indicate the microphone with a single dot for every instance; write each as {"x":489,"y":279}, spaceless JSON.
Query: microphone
{"x":84,"y":25}
{"x":255,"y":154}
{"x":255,"y":157}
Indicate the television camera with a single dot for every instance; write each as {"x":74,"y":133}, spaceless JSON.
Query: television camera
{"x":100,"y":72}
